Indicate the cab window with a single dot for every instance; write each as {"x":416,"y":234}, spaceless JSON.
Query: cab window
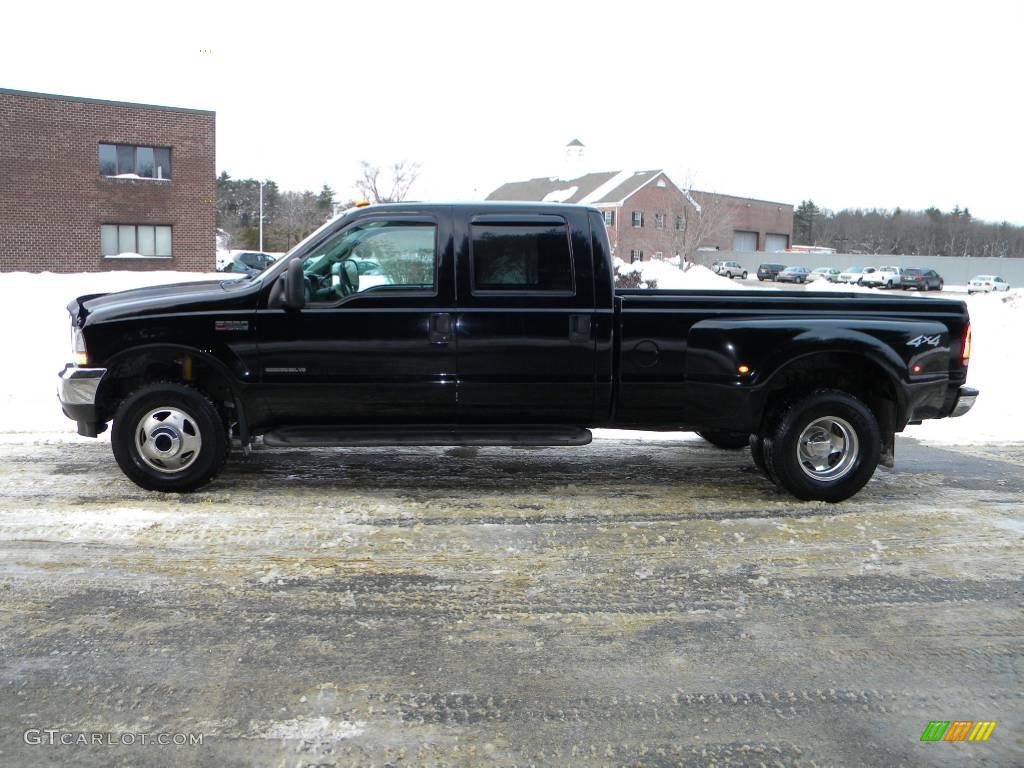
{"x":521,"y":257}
{"x":377,"y":255}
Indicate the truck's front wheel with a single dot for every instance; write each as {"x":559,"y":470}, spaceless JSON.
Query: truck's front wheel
{"x":169,"y":437}
{"x":825,"y":448}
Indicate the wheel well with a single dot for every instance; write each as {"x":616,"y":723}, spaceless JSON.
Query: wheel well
{"x":850,"y":372}
{"x":180,"y":365}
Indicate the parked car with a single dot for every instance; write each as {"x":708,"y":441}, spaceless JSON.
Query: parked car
{"x":921,"y":280}
{"x":854,"y":275}
{"x":829,"y":274}
{"x":769,"y":271}
{"x":512,"y":340}
{"x":794,"y":275}
{"x":729,"y":269}
{"x":249,"y":263}
{"x":987,"y":284}
{"x":884,"y":277}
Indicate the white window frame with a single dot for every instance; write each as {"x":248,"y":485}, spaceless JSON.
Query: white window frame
{"x":635,"y":256}
{"x":637,"y":219}
{"x":659,"y":221}
{"x":609,"y":218}
{"x":134,"y":254}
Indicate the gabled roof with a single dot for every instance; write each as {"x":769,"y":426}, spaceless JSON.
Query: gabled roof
{"x":605,"y":188}
{"x":540,"y":188}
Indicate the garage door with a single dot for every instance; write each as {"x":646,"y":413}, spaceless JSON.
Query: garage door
{"x":776,"y":243}
{"x":744,"y":241}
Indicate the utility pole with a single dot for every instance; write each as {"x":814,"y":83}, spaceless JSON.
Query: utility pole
{"x":261,"y":217}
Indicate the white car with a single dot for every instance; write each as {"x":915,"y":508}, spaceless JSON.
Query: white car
{"x":854,"y":275}
{"x":828,"y":274}
{"x":987,"y":284}
{"x":884,"y":277}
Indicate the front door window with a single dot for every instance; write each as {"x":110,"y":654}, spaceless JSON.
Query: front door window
{"x":377,"y":255}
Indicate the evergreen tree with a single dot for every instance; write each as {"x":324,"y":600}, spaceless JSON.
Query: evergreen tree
{"x":803,"y":221}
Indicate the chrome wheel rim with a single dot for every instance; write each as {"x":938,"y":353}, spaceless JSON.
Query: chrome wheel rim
{"x":827,"y":449}
{"x":168,"y":439}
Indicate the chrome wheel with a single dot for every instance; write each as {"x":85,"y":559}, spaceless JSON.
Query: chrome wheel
{"x":827,"y":449}
{"x":168,"y":439}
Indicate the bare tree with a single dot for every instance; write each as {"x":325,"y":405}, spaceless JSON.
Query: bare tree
{"x":393,"y":187}
{"x":705,"y":217}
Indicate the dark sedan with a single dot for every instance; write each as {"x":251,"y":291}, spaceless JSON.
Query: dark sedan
{"x":769,"y":271}
{"x":921,"y":280}
{"x":794,"y":275}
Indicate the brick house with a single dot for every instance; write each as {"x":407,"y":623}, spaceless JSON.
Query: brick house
{"x":649,"y":217}
{"x":88,"y":185}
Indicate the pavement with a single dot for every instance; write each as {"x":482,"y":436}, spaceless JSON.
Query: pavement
{"x":626,"y":603}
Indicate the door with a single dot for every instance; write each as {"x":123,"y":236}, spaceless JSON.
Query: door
{"x":775,"y":243}
{"x":374,"y":342}
{"x":744,"y":241}
{"x":525,"y":318}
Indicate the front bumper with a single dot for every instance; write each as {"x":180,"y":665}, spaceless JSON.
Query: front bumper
{"x":964,"y":401}
{"x":76,"y":390}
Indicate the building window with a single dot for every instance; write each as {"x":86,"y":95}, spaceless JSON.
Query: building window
{"x":128,"y":160}
{"x":680,"y":223}
{"x":659,"y":255}
{"x":638,"y":218}
{"x":635,"y":256}
{"x":659,"y":221}
{"x":127,"y":241}
{"x":609,"y":218}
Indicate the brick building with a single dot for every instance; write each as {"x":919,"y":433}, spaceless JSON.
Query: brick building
{"x":648,"y":216}
{"x":89,"y":185}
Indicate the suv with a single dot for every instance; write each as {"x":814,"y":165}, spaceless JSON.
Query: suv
{"x":729,"y":269}
{"x":769,"y":271}
{"x":249,"y":263}
{"x":921,"y":280}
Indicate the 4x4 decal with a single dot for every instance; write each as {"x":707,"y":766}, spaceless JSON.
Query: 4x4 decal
{"x":932,"y":341}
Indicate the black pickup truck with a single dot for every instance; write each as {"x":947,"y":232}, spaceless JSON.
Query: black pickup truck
{"x":498,"y":324}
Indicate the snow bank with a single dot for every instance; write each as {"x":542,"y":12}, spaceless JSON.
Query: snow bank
{"x":666,"y":274}
{"x":37,"y":338}
{"x":996,"y":369}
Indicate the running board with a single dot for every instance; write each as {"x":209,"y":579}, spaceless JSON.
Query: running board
{"x":323,"y":436}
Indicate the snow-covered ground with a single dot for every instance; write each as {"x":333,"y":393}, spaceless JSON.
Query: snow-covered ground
{"x":37,"y":344}
{"x":37,"y":338}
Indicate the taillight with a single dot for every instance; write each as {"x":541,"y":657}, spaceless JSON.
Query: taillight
{"x":965,"y":351}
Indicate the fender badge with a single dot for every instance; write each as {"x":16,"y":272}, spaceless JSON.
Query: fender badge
{"x":931,"y":341}
{"x":231,"y":325}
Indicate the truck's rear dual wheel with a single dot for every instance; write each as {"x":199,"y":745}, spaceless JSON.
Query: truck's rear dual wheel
{"x":825,"y":447}
{"x":169,"y":437}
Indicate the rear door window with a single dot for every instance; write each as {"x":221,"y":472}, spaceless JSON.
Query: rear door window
{"x":527,"y":257}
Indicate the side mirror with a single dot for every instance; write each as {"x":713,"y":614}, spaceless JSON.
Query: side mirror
{"x":290,"y":289}
{"x":295,"y":285}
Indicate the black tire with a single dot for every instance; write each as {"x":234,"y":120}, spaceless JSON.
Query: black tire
{"x":855,"y":465}
{"x":155,"y":403}
{"x":729,"y":441}
{"x":744,"y":276}
{"x":756,"y":443}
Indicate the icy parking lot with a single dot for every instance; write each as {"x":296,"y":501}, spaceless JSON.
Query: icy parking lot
{"x":627,"y":603}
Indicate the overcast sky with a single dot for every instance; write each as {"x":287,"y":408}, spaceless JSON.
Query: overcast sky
{"x":853,"y":104}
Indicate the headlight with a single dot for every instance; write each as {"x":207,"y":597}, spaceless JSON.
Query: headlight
{"x":78,"y":351}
